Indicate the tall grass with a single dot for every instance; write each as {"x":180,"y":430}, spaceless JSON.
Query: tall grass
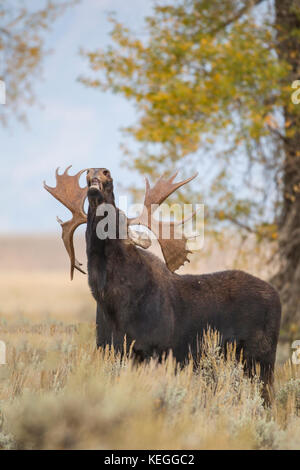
{"x":58,"y":392}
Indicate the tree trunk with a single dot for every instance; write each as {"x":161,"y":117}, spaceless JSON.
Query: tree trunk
{"x":288,"y":278}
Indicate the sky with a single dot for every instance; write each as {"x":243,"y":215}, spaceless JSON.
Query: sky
{"x":70,"y":125}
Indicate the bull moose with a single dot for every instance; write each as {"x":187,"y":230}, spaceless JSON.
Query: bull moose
{"x":140,"y":296}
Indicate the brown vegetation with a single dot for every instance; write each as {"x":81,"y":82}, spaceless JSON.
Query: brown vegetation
{"x":58,"y":391}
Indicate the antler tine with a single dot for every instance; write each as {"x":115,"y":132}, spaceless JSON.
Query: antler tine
{"x":171,"y":179}
{"x":72,"y":196}
{"x":66,"y":170}
{"x":181,"y":222}
{"x":181,"y":183}
{"x":162,"y":189}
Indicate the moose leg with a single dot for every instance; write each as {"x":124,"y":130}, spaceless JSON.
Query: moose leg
{"x":99,"y":328}
{"x":267,"y":378}
{"x":106,"y":333}
{"x":103,"y":330}
{"x":264,"y":369}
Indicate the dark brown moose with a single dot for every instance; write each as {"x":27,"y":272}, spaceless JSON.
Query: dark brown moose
{"x":140,"y":296}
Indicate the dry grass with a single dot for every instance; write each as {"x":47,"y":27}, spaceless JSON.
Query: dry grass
{"x":58,"y":391}
{"x":41,"y":295}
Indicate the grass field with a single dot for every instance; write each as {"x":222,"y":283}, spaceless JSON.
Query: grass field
{"x":58,"y":391}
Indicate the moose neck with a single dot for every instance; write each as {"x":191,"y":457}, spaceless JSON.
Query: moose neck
{"x":96,"y":244}
{"x":104,"y":224}
{"x":100,"y":251}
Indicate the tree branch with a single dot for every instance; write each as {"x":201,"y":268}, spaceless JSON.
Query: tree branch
{"x":240,"y":224}
{"x":237,"y":16}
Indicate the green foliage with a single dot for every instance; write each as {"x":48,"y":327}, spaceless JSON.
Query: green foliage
{"x":209,"y":89}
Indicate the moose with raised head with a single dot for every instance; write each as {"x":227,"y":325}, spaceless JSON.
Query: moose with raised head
{"x":140,"y":296}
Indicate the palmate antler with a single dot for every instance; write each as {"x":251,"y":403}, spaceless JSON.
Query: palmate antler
{"x":174,"y":247}
{"x":71,"y":195}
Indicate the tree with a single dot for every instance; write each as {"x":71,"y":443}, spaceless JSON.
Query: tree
{"x":287,"y":23}
{"x":212,"y":84}
{"x":22,"y":49}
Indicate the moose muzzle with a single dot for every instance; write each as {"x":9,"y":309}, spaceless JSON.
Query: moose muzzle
{"x":97,"y":179}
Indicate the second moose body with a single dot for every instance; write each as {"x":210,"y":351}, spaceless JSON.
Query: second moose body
{"x":139,"y":296}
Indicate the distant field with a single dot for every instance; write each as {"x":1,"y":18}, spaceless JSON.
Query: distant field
{"x":38,"y":253}
{"x":35,"y":280}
